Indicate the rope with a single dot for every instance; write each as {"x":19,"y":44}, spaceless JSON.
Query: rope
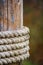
{"x":14,"y":40}
{"x":14,"y":45}
{"x":14,"y":33}
{"x":14,"y":59}
{"x":14,"y":53}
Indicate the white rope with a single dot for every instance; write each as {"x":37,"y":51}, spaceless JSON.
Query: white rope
{"x":13,"y":46}
{"x":14,"y":59}
{"x":14,"y":40}
{"x":15,"y":33}
{"x":14,"y":52}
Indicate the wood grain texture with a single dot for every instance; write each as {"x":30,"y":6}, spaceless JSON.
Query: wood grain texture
{"x":12,"y":15}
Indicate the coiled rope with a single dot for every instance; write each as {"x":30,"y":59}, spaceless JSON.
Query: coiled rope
{"x":15,"y":33}
{"x":14,"y":45}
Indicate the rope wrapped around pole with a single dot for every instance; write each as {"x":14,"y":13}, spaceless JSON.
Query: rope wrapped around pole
{"x":15,"y":33}
{"x":14,"y":45}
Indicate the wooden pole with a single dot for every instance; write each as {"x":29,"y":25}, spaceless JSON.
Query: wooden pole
{"x":20,"y":63}
{"x":7,"y":16}
{"x":3,"y":16}
{"x":21,"y":13}
{"x":21,"y":24}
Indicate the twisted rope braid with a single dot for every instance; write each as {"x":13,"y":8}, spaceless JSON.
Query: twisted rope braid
{"x":14,"y":59}
{"x":14,"y":53}
{"x":16,"y":33}
{"x":14,"y":45}
{"x":14,"y":40}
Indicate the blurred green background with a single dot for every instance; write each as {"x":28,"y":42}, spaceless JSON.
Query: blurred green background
{"x":33,"y":18}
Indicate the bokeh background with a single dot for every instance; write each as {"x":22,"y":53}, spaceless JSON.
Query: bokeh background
{"x":33,"y":18}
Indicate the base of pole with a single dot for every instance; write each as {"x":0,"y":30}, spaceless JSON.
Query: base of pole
{"x":17,"y":63}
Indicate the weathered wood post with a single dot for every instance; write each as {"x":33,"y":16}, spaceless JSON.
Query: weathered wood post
{"x":14,"y":37}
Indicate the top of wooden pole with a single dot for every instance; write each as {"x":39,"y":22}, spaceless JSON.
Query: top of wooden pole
{"x":12,"y":13}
